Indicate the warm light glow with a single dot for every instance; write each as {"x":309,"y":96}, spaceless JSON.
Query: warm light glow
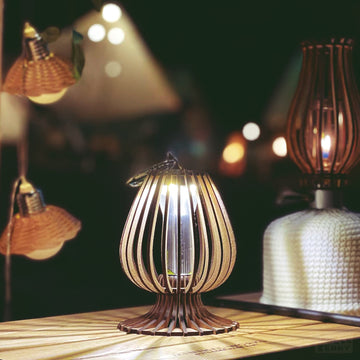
{"x":177,"y":246}
{"x":138,"y":98}
{"x":111,"y":12}
{"x":186,"y":231}
{"x":233,"y":152}
{"x":96,"y":32}
{"x":325,"y":146}
{"x":42,"y":254}
{"x":173,"y":191}
{"x":251,"y":131}
{"x":113,"y":69}
{"x":279,"y":146}
{"x":116,"y":36}
{"x":46,"y":99}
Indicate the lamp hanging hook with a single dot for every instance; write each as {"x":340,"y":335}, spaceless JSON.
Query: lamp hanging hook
{"x":171,"y":162}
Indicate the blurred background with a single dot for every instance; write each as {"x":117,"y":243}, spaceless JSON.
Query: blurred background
{"x":186,"y":77}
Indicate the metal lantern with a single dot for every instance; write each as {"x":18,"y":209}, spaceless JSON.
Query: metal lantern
{"x":177,"y":242}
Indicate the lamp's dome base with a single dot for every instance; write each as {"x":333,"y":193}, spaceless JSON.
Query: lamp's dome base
{"x":183,"y":315}
{"x":311,"y":260}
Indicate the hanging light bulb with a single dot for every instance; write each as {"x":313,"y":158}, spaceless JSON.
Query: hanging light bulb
{"x":46,"y":99}
{"x":38,"y":231}
{"x":38,"y":74}
{"x":177,"y":242}
{"x":311,"y":257}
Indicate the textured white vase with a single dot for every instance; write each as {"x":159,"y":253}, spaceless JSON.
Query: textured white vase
{"x":311,"y":260}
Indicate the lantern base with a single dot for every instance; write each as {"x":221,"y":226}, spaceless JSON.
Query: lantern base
{"x":178,"y":314}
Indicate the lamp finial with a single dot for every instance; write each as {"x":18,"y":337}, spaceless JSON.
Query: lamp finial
{"x":29,"y":31}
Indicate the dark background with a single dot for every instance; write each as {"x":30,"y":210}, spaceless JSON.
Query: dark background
{"x":227,"y":59}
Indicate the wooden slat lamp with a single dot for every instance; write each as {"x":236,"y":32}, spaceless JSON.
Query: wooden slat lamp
{"x":311,"y":257}
{"x":177,"y":242}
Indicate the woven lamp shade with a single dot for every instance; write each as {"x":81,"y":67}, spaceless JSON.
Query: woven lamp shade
{"x":178,"y":242}
{"x":38,"y":71}
{"x":38,"y":231}
{"x":39,"y":77}
{"x":44,"y":231}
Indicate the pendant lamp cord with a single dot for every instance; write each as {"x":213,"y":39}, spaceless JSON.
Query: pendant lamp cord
{"x":22,"y":155}
{"x":7,"y":256}
{"x":10,"y":228}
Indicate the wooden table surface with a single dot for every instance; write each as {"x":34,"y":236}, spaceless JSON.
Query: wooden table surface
{"x":95,"y":336}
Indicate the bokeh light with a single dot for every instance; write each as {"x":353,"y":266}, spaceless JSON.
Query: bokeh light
{"x":111,"y":12}
{"x":233,"y":152}
{"x":116,"y":36}
{"x":279,"y":146}
{"x":233,"y":160}
{"x":251,"y":131}
{"x":96,"y":32}
{"x":113,"y":69}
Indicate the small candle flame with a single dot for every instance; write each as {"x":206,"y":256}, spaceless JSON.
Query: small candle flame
{"x":325,"y":146}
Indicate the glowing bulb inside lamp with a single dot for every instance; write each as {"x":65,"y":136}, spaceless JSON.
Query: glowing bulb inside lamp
{"x":42,"y":254}
{"x":325,"y":146}
{"x":46,"y":99}
{"x":170,"y":197}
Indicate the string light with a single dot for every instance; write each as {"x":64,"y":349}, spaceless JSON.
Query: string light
{"x":111,"y":12}
{"x":96,"y":32}
{"x":116,"y":36}
{"x":251,"y":131}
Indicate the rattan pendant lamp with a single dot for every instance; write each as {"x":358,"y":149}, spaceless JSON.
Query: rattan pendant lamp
{"x":38,"y":73}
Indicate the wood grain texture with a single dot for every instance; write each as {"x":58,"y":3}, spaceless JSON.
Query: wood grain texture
{"x":95,"y":336}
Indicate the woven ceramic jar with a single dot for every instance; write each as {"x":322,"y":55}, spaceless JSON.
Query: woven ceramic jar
{"x":312,"y":261}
